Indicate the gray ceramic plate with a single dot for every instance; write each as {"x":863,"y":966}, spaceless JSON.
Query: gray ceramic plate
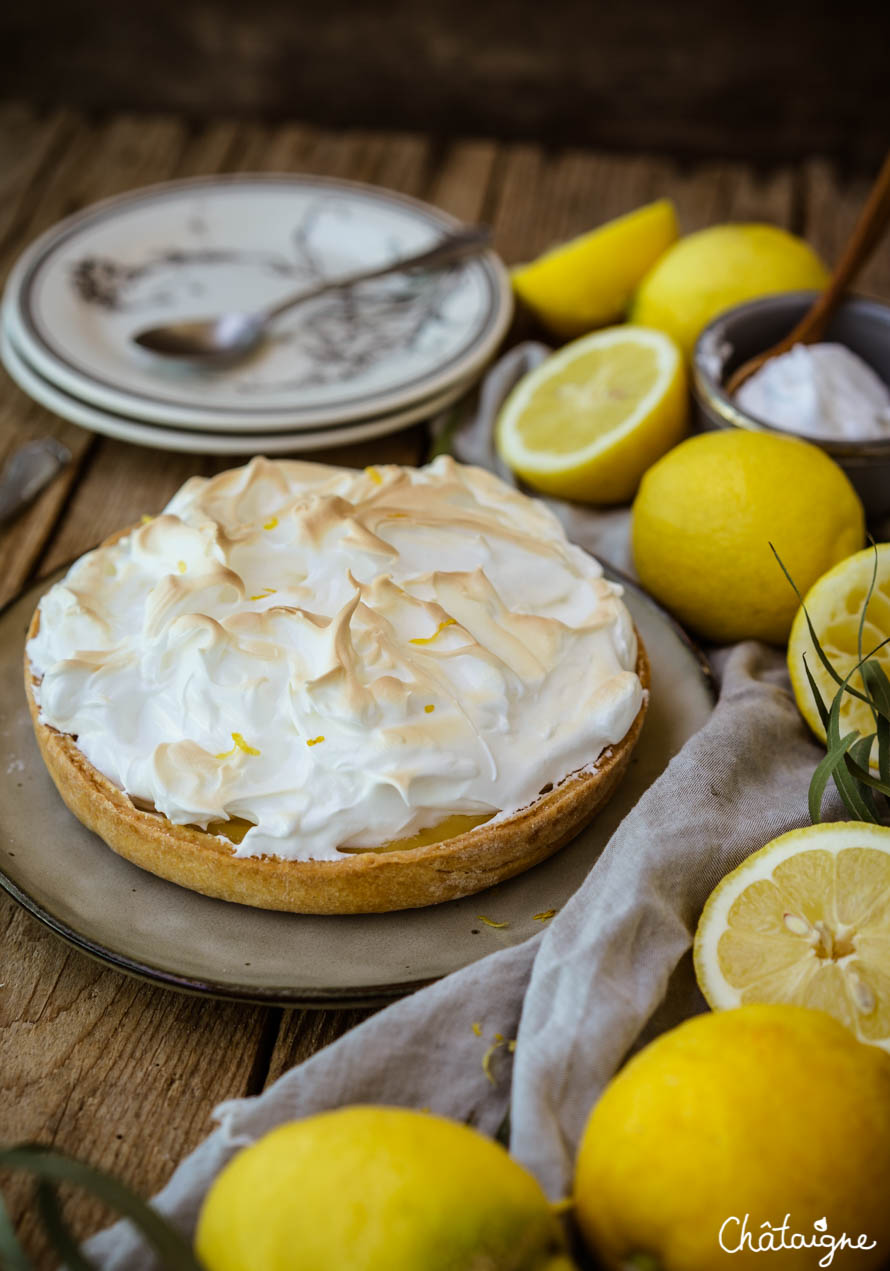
{"x":68,"y":878}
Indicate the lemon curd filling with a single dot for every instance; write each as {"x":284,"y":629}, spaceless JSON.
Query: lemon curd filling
{"x":411,"y":653}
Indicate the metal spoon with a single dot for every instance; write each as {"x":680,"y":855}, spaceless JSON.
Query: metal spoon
{"x":231,"y":335}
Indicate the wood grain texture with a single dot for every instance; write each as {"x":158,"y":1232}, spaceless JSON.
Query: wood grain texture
{"x":833,"y":204}
{"x":114,"y":1070}
{"x":761,"y":80}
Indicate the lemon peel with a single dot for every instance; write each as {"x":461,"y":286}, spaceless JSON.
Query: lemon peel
{"x":429,"y":708}
{"x":446,"y":622}
{"x":545,"y":915}
{"x":314,"y":741}
{"x":490,"y":922}
{"x":240,"y":744}
{"x":374,"y":474}
{"x":261,"y":595}
{"x":271,"y":523}
{"x":181,"y":566}
{"x":589,"y":281}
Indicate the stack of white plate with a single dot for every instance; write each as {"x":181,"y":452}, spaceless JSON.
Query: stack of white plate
{"x":338,"y":369}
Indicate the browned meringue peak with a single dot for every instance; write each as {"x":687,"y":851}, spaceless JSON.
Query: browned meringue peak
{"x":341,"y":658}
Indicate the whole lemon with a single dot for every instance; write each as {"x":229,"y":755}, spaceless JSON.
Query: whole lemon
{"x":377,"y":1189}
{"x":719,"y":1129}
{"x":704,"y":518}
{"x":710,"y":271}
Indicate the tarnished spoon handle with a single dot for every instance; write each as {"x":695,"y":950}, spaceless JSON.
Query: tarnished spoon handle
{"x":27,"y":471}
{"x":458,"y":245}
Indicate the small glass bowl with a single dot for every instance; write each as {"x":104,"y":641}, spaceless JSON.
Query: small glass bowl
{"x":740,"y":333}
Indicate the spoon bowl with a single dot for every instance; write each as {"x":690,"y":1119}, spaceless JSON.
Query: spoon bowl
{"x":229,"y":336}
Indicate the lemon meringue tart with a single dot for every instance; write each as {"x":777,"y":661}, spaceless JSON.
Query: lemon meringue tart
{"x":322,"y":690}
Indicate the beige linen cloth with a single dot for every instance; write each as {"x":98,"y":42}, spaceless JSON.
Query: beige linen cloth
{"x":612,"y":969}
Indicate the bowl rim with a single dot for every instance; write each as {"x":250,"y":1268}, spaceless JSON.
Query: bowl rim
{"x":712,"y":396}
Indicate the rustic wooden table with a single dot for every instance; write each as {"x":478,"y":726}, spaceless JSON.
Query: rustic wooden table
{"x":120,"y":1073}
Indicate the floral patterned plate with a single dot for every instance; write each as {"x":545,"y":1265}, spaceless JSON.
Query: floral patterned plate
{"x":199,"y":247}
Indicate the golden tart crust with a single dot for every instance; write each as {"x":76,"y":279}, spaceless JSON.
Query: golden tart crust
{"x":364,"y":882}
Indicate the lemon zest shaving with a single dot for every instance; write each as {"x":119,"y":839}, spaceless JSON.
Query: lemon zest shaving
{"x":261,"y":595}
{"x":271,"y":523}
{"x":490,"y":922}
{"x":477,"y":1028}
{"x":446,"y":622}
{"x":313,"y":741}
{"x":429,"y":708}
{"x":487,"y":1058}
{"x":181,"y":566}
{"x":374,"y":474}
{"x":145,"y":518}
{"x":240,"y":744}
{"x":544,"y":915}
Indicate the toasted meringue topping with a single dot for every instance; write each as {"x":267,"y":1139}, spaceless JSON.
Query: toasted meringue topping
{"x":340,"y":658}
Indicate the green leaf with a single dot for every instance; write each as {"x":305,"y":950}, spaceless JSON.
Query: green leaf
{"x":815,"y":639}
{"x":50,"y":1166}
{"x":817,"y":693}
{"x":824,"y":771}
{"x":56,"y":1228}
{"x":878,"y":687}
{"x":867,"y":602}
{"x":12,"y":1255}
{"x":857,"y":801}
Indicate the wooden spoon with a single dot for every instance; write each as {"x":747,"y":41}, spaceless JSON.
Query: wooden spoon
{"x":866,"y":235}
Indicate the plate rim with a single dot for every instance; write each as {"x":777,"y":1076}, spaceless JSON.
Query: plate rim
{"x":188,"y":441}
{"x":281,"y":996}
{"x":56,"y":368}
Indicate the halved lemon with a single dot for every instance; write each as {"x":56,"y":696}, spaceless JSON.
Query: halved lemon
{"x":588,"y":422}
{"x":590,"y":280}
{"x":834,"y":604}
{"x":806,"y":920}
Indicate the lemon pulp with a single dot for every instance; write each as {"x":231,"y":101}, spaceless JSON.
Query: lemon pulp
{"x":834,"y":604}
{"x":588,"y":422}
{"x":805,"y":921}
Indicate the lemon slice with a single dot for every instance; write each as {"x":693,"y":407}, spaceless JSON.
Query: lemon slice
{"x":834,"y":604}
{"x":589,"y":281}
{"x":806,"y":921}
{"x":588,"y":422}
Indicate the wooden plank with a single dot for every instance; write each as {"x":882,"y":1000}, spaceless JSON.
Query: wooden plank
{"x":831,"y":207}
{"x":304,"y":1033}
{"x":109,"y":1069}
{"x":95,"y":163}
{"x":27,"y":142}
{"x":545,"y":199}
{"x":462,"y":182}
{"x":77,"y":1039}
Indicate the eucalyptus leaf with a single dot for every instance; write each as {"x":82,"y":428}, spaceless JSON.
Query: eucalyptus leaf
{"x":12,"y":1255}
{"x":820,"y":652}
{"x":51,"y":1166}
{"x":824,"y":772}
{"x":57,"y":1229}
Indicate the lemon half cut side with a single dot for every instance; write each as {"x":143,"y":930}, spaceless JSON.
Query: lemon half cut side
{"x":835,"y":604}
{"x":805,"y":921}
{"x":588,"y":422}
{"x":589,"y":281}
